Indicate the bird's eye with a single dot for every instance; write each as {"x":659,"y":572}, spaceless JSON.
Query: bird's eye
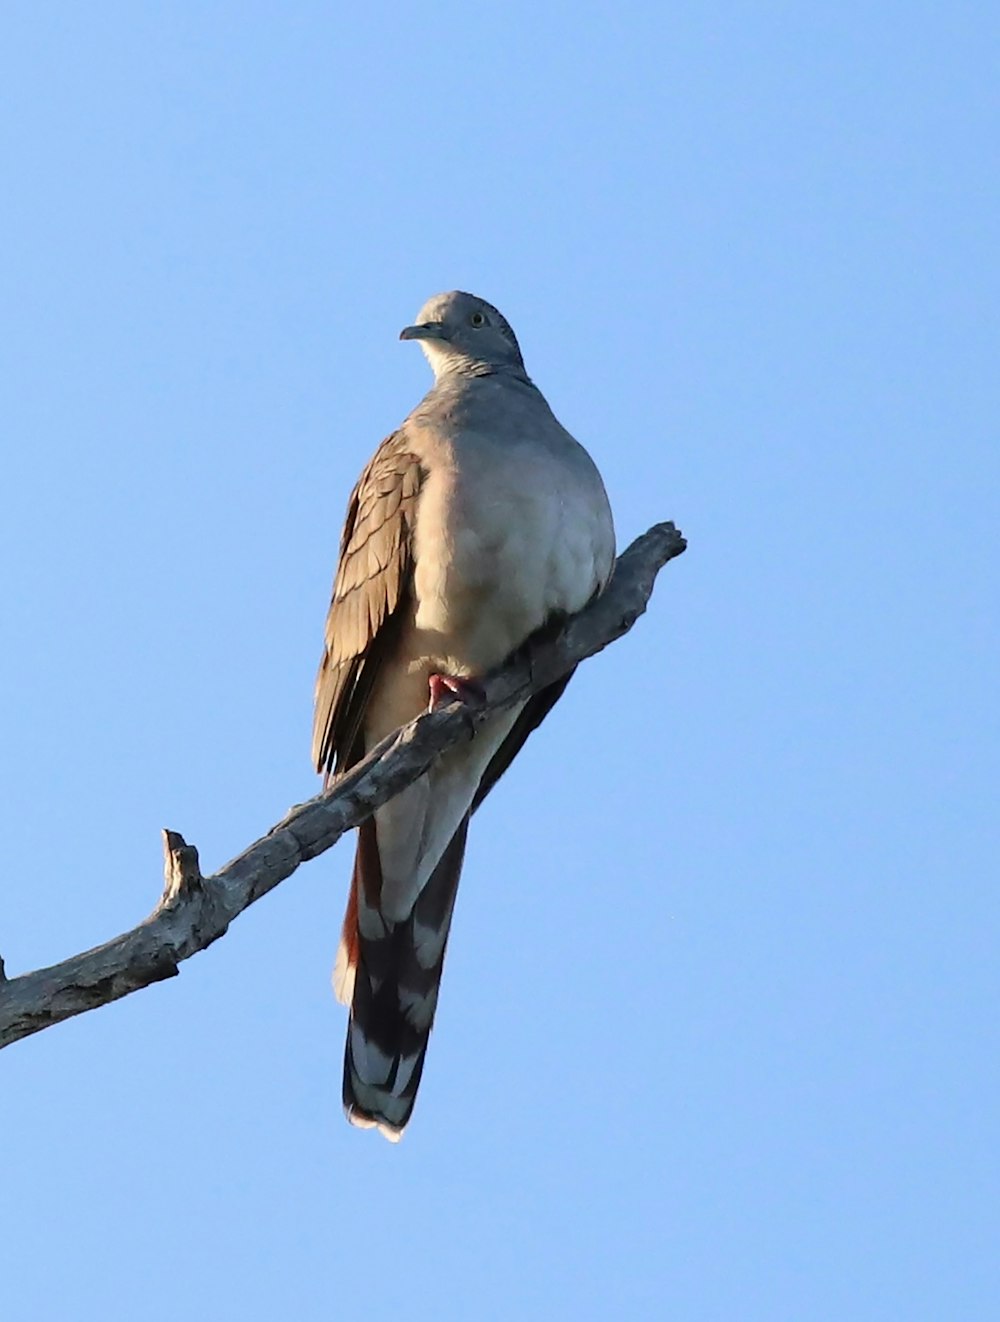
{"x":477,"y":319}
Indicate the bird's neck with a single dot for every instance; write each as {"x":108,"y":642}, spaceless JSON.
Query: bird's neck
{"x":458,"y":369}
{"x":450,"y":366}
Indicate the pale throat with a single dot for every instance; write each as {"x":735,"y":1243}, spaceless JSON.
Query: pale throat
{"x":445,"y":361}
{"x":437,"y":355}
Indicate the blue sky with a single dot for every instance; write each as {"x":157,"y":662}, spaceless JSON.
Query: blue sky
{"x":718,"y":1033}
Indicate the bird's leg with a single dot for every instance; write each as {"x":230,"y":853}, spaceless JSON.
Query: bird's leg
{"x":451,"y":688}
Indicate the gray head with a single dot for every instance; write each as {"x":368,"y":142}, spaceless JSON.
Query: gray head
{"x":465,"y":334}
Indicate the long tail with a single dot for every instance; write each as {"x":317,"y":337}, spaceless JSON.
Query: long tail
{"x":390,"y":973}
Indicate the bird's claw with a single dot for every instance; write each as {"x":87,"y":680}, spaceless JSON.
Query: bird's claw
{"x":451,"y":688}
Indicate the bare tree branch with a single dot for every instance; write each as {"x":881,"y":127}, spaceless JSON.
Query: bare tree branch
{"x":194,"y":910}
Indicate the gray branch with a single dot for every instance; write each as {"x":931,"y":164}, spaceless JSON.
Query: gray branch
{"x":194,"y":910}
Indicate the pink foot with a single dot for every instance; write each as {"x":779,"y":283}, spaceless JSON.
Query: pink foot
{"x":449,"y":688}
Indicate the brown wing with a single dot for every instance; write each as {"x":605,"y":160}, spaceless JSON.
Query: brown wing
{"x":371,"y":590}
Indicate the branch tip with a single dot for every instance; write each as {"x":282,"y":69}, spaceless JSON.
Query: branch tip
{"x":181,"y":869}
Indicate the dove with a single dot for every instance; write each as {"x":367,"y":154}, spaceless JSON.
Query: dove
{"x":477,"y":523}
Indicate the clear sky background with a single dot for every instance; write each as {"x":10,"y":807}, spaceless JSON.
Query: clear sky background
{"x":718,"y":1034}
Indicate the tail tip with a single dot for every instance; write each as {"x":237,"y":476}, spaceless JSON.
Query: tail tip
{"x":362,"y":1120}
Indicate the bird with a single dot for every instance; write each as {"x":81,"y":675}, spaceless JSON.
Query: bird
{"x":475,"y":525}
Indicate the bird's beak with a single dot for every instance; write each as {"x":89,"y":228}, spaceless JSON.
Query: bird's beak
{"x":427,"y":330}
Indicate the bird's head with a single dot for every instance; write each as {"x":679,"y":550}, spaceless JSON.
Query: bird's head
{"x":462,"y":333}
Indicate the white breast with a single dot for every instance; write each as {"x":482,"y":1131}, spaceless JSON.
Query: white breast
{"x":503,"y":540}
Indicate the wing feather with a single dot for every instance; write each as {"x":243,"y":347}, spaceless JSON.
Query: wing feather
{"x":371,"y":590}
